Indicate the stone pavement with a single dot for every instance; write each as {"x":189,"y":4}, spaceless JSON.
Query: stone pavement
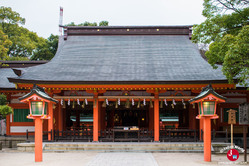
{"x":15,"y":158}
{"x":123,"y":159}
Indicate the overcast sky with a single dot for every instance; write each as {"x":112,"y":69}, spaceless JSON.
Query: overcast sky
{"x":42,"y":16}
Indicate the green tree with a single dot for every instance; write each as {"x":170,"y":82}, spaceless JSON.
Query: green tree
{"x":24,"y":42}
{"x":103,"y":23}
{"x":5,"y":43}
{"x":46,"y":49}
{"x":86,"y":23}
{"x":225,"y":30}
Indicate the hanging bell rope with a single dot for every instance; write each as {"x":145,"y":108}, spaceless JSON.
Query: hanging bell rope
{"x":151,"y":104}
{"x":73,"y":106}
{"x":104,"y":103}
{"x":64,"y":104}
{"x":83,"y":104}
{"x":184,"y":104}
{"x":127,"y":104}
{"x":138,"y":104}
{"x":116,"y":104}
{"x":161,"y":103}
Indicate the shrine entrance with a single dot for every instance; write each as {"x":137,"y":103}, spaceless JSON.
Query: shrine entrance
{"x":126,"y":117}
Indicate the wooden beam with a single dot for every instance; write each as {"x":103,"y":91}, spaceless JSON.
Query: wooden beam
{"x":176,"y":97}
{"x":73,"y":97}
{"x":126,"y":97}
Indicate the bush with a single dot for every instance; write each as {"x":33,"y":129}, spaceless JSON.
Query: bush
{"x":5,"y":110}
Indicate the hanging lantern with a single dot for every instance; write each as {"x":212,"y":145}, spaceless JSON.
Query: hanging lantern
{"x":151,"y":104}
{"x":138,"y":104}
{"x":161,"y":103}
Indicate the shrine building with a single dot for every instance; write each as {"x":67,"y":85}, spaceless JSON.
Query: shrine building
{"x":135,"y":79}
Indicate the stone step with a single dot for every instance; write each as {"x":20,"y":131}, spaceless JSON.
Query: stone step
{"x":122,"y":147}
{"x":125,"y":147}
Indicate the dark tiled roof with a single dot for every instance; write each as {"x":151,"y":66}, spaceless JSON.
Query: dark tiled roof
{"x":127,"y":58}
{"x":4,"y":82}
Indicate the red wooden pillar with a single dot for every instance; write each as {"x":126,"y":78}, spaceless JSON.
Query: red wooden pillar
{"x":207,"y":139}
{"x":95,"y":118}
{"x":38,"y":139}
{"x":60,"y":118}
{"x":156,"y":118}
{"x":8,"y":124}
{"x":50,"y":121}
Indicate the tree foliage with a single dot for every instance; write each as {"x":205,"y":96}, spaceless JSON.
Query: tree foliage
{"x":226,"y":30}
{"x":86,"y":23}
{"x":20,"y":43}
{"x":47,"y":49}
{"x":5,"y":43}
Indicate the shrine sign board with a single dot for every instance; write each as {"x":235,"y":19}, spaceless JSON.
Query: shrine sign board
{"x":231,"y":116}
{"x":244,"y":114}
